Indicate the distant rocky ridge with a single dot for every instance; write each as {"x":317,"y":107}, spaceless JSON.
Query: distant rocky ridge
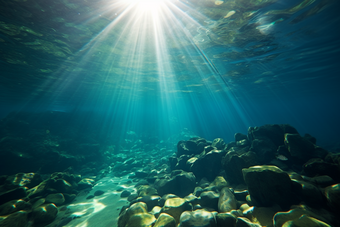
{"x":252,"y":181}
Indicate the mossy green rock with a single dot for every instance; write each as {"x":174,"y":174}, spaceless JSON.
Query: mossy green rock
{"x":17,"y":219}
{"x":13,"y":206}
{"x":175,"y":207}
{"x":165,"y":220}
{"x":141,"y":220}
{"x":136,"y":208}
{"x":268,"y":185}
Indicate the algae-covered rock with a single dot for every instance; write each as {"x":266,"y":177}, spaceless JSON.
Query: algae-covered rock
{"x":175,"y":207}
{"x":227,"y":201}
{"x":165,"y":220}
{"x":332,"y":194}
{"x":219,"y":183}
{"x":268,"y":185}
{"x":197,"y":218}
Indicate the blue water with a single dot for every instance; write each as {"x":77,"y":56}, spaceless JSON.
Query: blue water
{"x":288,"y":74}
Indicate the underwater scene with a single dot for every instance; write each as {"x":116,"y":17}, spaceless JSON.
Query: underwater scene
{"x":169,"y":113}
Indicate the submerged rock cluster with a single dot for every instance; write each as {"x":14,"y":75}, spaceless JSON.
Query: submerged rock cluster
{"x":271,"y":177}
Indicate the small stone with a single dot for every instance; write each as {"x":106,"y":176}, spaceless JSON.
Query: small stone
{"x":98,"y":193}
{"x":90,"y":197}
{"x":85,"y":183}
{"x":125,"y":193}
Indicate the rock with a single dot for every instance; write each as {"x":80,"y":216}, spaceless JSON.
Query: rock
{"x":268,"y":185}
{"x":265,"y":150}
{"x":175,"y":207}
{"x":239,"y":136}
{"x":85,"y":183}
{"x":209,"y":199}
{"x":332,"y":194}
{"x":125,"y":193}
{"x":141,"y":220}
{"x":57,"y":199}
{"x":218,"y":143}
{"x":208,"y":165}
{"x":284,"y":218}
{"x":165,"y":220}
{"x":150,"y":201}
{"x":310,"y":194}
{"x":146,"y":190}
{"x":38,"y":203}
{"x":13,"y":194}
{"x":98,"y":192}
{"x":90,"y":197}
{"x":45,"y":214}
{"x":39,"y":190}
{"x":165,"y":197}
{"x":28,"y":180}
{"x":317,"y":167}
{"x":227,"y":201}
{"x":245,"y":222}
{"x":275,"y":133}
{"x":225,"y":219}
{"x":126,"y":214}
{"x":181,"y":184}
{"x":17,"y":219}
{"x":14,"y":206}
{"x":193,"y":146}
{"x":262,"y":215}
{"x":132,"y":197}
{"x":234,"y":162}
{"x":197,"y":218}
{"x":299,"y":148}
{"x":304,"y":220}
{"x":182,"y":163}
{"x":69,"y":197}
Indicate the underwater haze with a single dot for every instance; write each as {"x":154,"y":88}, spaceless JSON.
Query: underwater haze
{"x":85,"y":86}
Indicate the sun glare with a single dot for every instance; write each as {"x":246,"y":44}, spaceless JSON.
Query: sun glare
{"x":147,"y":5}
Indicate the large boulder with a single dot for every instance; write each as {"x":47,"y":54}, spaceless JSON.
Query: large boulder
{"x":181,"y":184}
{"x":227,"y":201}
{"x":198,"y":218}
{"x":209,"y":165}
{"x":268,"y":185}
{"x":193,"y":146}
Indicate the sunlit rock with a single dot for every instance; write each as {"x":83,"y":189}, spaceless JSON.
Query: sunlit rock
{"x":197,"y":218}
{"x":175,"y":207}
{"x":141,"y":220}
{"x":227,"y":201}
{"x":165,"y":220}
{"x":218,"y":2}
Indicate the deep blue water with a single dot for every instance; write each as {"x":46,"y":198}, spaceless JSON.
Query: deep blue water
{"x":288,"y":75}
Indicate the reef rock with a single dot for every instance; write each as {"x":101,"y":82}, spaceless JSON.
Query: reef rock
{"x":193,"y":146}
